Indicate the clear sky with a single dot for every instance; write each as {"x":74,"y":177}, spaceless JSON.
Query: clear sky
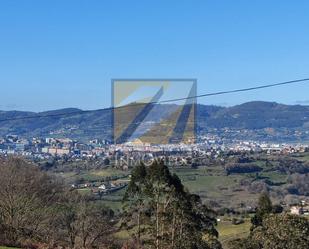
{"x":62,"y":53}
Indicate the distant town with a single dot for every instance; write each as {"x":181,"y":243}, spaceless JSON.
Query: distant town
{"x":210,"y":145}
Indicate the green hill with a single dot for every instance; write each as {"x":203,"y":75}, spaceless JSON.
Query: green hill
{"x":75,"y":123}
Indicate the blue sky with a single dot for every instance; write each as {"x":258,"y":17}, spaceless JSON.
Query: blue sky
{"x":56,"y":54}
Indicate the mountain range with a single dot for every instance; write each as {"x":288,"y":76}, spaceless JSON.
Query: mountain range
{"x":75,"y":123}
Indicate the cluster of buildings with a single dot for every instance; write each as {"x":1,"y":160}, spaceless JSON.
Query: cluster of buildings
{"x":300,"y":209}
{"x":241,"y":145}
{"x":50,"y":147}
{"x":100,"y":188}
{"x":209,"y":145}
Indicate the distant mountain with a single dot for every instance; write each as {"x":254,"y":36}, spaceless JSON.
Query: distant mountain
{"x":259,"y":115}
{"x":78,"y":124}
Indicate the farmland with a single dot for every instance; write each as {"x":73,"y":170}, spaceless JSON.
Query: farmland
{"x":217,"y":188}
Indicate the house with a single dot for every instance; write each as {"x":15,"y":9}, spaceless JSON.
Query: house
{"x":296,"y":210}
{"x":102,"y":187}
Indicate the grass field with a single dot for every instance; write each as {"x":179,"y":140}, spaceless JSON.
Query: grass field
{"x":228,"y":231}
{"x":275,"y":176}
{"x":212,"y":184}
{"x":93,"y":175}
{"x":114,"y":200}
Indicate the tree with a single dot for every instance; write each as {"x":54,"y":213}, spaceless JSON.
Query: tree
{"x":166,"y":215}
{"x":282,"y":231}
{"x":82,"y":223}
{"x":243,"y":244}
{"x":264,"y":208}
{"x":276,"y":231}
{"x":134,"y":200}
{"x":264,"y":204}
{"x":26,"y":200}
{"x":36,"y":208}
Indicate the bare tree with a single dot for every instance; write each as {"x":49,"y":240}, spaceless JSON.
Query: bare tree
{"x":26,"y":197}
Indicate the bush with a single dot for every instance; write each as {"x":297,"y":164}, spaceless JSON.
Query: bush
{"x":242,"y":168}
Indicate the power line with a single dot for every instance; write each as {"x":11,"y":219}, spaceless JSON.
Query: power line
{"x":160,"y":102}
{"x":240,"y":90}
